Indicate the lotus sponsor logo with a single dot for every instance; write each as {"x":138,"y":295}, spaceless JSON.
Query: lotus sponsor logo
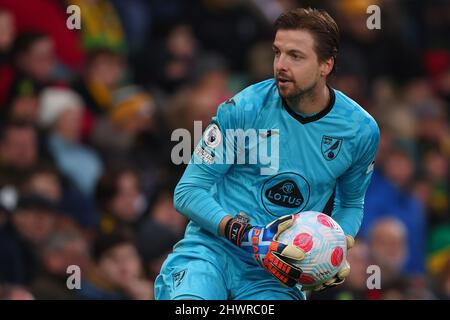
{"x":285,"y":193}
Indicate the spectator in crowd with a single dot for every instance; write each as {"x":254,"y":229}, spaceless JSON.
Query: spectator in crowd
{"x":35,"y":60}
{"x":174,"y":56}
{"x":163,"y":212}
{"x":19,"y":146}
{"x":228,"y":27}
{"x":62,"y":249}
{"x":101,"y":25}
{"x":438,"y":260}
{"x":389,"y":195}
{"x":48,"y":17}
{"x":130,"y":115}
{"x":45,"y":179}
{"x":29,"y":225}
{"x":116,"y":272}
{"x":155,"y":241}
{"x":23,"y":106}
{"x":199,"y":100}
{"x":14,"y":292}
{"x":389,"y":250}
{"x":19,"y":152}
{"x":61,"y":114}
{"x":8,"y":34}
{"x":120,"y":200}
{"x":436,"y":171}
{"x":102,"y":75}
{"x":373,"y":47}
{"x":130,"y":133}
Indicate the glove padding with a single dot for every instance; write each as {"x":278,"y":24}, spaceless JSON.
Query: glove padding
{"x":275,"y":257}
{"x":340,"y":276}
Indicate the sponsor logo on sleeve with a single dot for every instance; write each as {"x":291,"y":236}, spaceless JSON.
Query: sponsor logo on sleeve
{"x":212,"y":136}
{"x":204,"y":155}
{"x":178,"y":277}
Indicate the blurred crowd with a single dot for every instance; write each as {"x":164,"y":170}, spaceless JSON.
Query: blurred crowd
{"x":86,"y":117}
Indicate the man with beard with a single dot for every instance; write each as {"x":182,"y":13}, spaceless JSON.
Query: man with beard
{"x":320,"y":141}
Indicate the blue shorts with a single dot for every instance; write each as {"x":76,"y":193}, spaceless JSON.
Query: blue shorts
{"x":198,"y":272}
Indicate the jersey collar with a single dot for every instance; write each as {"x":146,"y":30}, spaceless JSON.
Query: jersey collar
{"x":317,"y":116}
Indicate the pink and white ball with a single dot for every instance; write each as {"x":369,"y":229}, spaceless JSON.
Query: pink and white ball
{"x":324,"y":244}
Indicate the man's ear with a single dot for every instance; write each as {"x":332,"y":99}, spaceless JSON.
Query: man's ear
{"x":326,"y":67}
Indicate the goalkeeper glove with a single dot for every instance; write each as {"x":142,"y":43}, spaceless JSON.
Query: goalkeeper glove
{"x":275,"y":257}
{"x":340,"y":276}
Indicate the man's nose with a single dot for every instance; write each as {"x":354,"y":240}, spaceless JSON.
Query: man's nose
{"x":280,"y":63}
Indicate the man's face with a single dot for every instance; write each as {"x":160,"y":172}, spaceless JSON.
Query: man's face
{"x":68,"y":124}
{"x":121,"y":264}
{"x":8,"y":30}
{"x":296,"y":66}
{"x":46,"y":184}
{"x":107,"y":69}
{"x":19,"y":148}
{"x":73,"y":252}
{"x":39,"y":61}
{"x":25,"y":108}
{"x":388,"y":246}
{"x":33,"y":225}
{"x":399,"y":168}
{"x":125,"y":203}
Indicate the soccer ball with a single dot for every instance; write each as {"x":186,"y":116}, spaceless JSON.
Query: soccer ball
{"x":324,"y":244}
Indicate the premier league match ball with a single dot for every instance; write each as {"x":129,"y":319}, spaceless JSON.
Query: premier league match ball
{"x":324,"y":244}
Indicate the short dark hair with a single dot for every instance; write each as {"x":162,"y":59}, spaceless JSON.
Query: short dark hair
{"x":37,"y":202}
{"x":108,"y":184}
{"x":321,"y":25}
{"x":103,"y":243}
{"x":26,"y":40}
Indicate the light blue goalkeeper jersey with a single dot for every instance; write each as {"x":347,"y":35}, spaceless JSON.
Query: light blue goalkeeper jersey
{"x":286,"y":164}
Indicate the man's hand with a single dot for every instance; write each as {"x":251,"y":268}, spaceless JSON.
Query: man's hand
{"x":339,"y":278}
{"x":139,"y":289}
{"x":275,"y":257}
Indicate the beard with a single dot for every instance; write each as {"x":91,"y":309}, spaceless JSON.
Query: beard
{"x":293,"y":93}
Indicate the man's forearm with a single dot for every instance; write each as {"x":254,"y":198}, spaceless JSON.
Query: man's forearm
{"x":349,"y":218}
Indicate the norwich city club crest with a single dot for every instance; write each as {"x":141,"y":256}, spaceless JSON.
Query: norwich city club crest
{"x":331,"y":147}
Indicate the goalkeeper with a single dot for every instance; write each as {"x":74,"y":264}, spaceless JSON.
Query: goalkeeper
{"x":320,"y":141}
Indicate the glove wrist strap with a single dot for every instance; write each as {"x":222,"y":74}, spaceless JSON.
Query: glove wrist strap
{"x":236,"y":228}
